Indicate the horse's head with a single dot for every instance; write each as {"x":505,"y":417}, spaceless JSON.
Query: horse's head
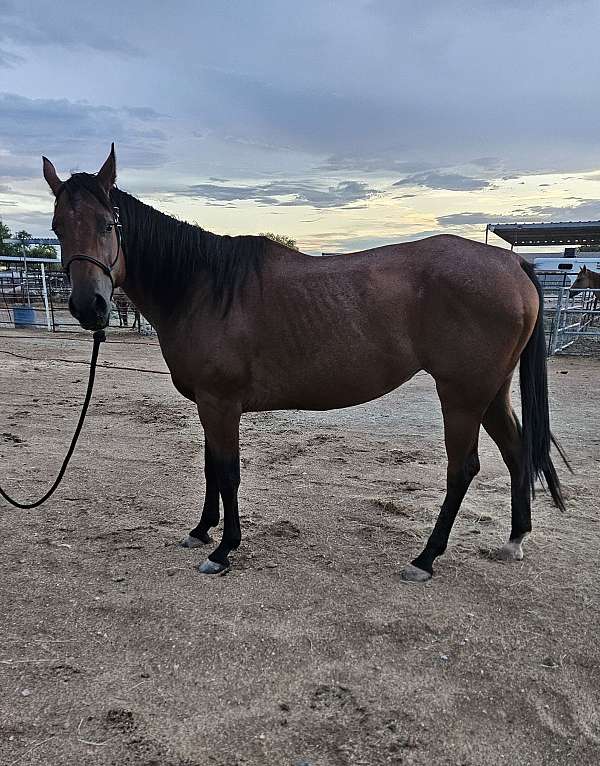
{"x":582,"y":281}
{"x":86,"y":224}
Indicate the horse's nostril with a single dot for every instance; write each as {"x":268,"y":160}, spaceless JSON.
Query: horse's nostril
{"x":101,"y":305}
{"x":72,"y":308}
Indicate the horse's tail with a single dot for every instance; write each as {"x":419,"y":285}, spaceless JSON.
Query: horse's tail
{"x":537,"y":437}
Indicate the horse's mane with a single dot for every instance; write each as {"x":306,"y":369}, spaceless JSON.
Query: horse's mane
{"x":166,"y":256}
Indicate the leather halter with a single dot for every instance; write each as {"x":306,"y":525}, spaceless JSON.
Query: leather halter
{"x":106,"y":269}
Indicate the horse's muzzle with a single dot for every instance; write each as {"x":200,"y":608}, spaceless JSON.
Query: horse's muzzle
{"x":92,"y":314}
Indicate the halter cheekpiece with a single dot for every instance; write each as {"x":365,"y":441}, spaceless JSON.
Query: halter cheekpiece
{"x":102,"y":266}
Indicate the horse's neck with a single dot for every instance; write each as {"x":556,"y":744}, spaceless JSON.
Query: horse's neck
{"x":594,"y":280}
{"x":139,"y":249}
{"x":145,"y":301}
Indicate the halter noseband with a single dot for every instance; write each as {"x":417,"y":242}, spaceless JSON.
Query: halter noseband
{"x":102,"y":266}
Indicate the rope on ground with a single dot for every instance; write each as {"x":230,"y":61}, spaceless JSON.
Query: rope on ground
{"x":56,"y":337}
{"x":105,"y":366}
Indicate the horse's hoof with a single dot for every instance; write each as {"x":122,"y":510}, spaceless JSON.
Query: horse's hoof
{"x":212,"y":567}
{"x":189,"y":541}
{"x":411,"y":573}
{"x":510,"y":551}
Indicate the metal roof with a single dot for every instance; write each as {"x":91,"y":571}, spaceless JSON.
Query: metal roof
{"x":543,"y":234}
{"x":21,"y":259}
{"x":33,"y":241}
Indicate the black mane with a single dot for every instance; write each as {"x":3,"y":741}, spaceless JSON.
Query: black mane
{"x":166,"y":256}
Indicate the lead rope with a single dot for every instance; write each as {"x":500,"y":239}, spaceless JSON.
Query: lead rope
{"x":99,"y":337}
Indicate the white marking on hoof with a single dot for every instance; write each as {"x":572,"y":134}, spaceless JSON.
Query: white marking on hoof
{"x":191,"y":542}
{"x":211,"y":567}
{"x":411,"y":573}
{"x":512,"y":550}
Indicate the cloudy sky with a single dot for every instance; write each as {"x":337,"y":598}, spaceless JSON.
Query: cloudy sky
{"x":342,"y":123}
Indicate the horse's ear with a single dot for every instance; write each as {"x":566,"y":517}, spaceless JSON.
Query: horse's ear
{"x":583,"y":269}
{"x":107,"y":175}
{"x":50,"y":175}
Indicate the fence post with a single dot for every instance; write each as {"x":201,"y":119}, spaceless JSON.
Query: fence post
{"x":553,"y":345}
{"x":45,"y":297}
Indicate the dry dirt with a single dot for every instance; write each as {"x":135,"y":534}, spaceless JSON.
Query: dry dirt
{"x":311,"y":651}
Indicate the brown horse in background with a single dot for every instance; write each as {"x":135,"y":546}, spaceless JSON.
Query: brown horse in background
{"x":586,"y":280}
{"x":246,"y":324}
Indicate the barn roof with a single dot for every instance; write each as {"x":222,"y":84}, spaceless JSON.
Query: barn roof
{"x":542,"y":234}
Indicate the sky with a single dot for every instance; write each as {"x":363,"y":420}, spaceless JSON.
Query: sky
{"x":344,"y":124}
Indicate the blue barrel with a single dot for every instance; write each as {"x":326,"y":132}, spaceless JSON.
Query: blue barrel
{"x":24,"y":316}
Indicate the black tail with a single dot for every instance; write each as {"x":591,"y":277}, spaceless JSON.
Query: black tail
{"x":537,"y":437}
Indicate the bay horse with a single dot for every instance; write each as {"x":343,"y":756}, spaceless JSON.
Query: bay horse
{"x":246,"y":324}
{"x":587,"y":280}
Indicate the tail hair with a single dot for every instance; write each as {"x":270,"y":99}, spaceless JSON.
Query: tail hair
{"x":537,"y":437}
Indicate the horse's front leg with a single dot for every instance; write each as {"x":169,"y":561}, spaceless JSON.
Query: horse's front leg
{"x":210,"y":510}
{"x":221,"y":421}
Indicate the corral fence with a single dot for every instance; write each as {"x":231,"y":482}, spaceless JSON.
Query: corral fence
{"x":568,"y":317}
{"x":34,"y":294}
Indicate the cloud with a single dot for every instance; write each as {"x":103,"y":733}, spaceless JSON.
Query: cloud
{"x":487,"y":163}
{"x":19,"y":171}
{"x":34,"y":222}
{"x":338,"y":244}
{"x":65,"y":130}
{"x":8,"y":59}
{"x":472,"y":219}
{"x":63,"y":25}
{"x":285,"y":193}
{"x":386,"y":164}
{"x":585,"y":210}
{"x":448,"y":181}
{"x":419,"y":104}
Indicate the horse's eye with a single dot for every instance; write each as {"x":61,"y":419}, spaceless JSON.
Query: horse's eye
{"x":108,"y":227}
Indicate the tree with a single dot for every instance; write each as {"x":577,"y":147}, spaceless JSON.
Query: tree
{"x":5,"y":233}
{"x":31,"y":251}
{"x":281,"y":238}
{"x":589,"y":248}
{"x":41,"y":251}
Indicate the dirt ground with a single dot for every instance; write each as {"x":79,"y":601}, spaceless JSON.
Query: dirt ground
{"x":311,"y":650}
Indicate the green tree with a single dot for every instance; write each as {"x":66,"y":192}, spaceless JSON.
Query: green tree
{"x":20,"y":247}
{"x":281,"y":238}
{"x":41,"y":251}
{"x":31,"y":251}
{"x":5,"y":233}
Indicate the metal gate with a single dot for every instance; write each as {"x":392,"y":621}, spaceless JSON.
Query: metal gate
{"x":568,"y":316}
{"x":33,"y":296}
{"x":575,"y":317}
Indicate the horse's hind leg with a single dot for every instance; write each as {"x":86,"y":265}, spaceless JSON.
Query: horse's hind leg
{"x":210,"y":511}
{"x":461,"y":432}
{"x":502,"y":425}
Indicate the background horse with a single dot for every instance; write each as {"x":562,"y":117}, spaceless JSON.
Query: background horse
{"x":587,"y":280}
{"x":122,"y":306}
{"x":246,"y":324}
